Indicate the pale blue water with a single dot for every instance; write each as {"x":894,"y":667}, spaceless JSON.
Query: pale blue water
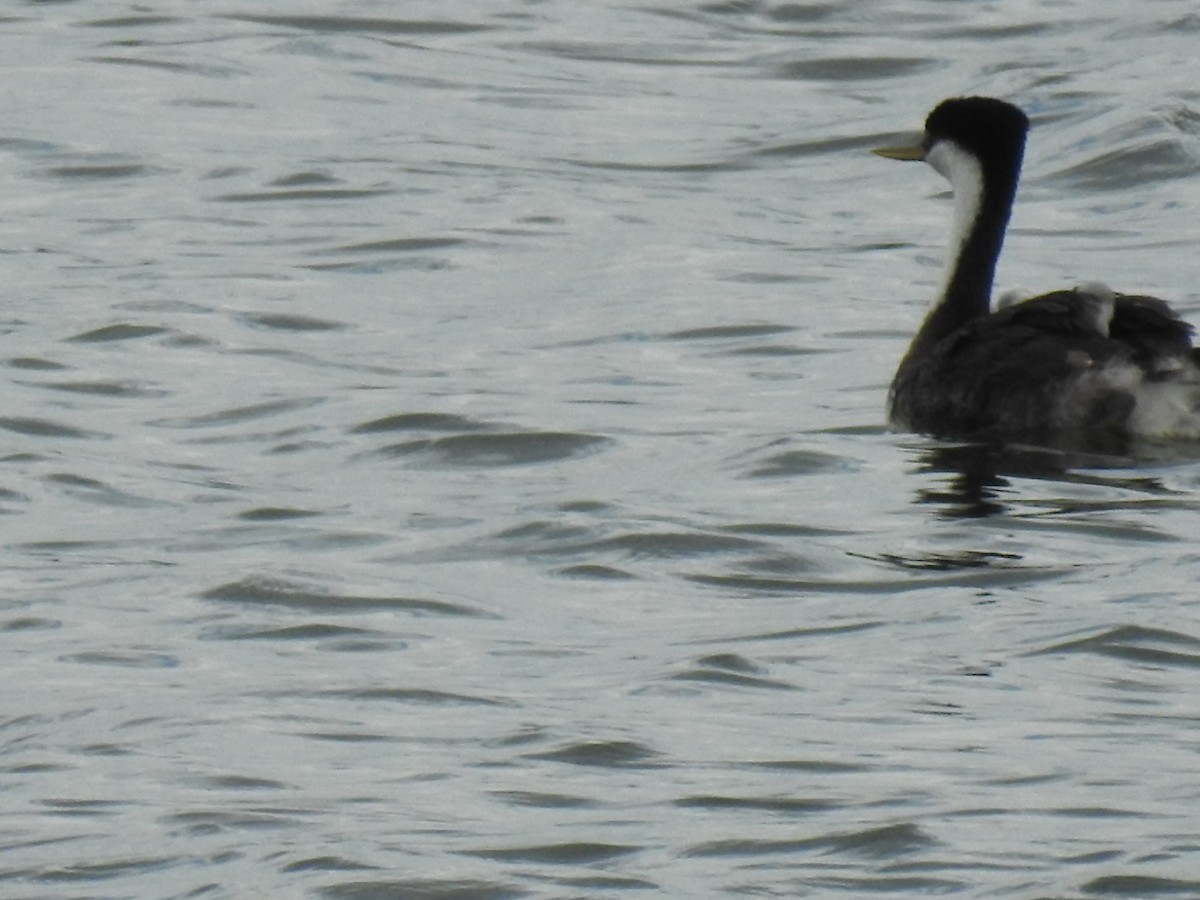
{"x":443,"y":457}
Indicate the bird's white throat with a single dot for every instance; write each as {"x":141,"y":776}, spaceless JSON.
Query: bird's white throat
{"x":963,"y":171}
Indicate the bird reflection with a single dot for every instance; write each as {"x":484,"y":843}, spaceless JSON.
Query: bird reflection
{"x":974,"y":487}
{"x":979,"y":480}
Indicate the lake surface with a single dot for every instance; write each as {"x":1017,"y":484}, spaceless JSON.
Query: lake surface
{"x":444,"y":457}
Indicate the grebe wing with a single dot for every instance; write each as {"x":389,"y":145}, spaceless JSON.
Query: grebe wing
{"x":1147,"y":326}
{"x":1086,"y":310}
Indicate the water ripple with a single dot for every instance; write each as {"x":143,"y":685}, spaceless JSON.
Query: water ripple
{"x":420,"y":422}
{"x":44,"y":428}
{"x":567,"y":853}
{"x":786,"y":806}
{"x":361,"y":24}
{"x":854,"y":68}
{"x":888,"y":842}
{"x":423,"y":889}
{"x":258,"y":591}
{"x":1137,"y":644}
{"x":618,"y":754}
{"x":239,"y":414}
{"x":498,"y":449}
{"x":1140,"y":886}
{"x":1128,"y":168}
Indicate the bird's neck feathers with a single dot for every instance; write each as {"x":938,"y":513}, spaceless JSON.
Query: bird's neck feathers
{"x":982,"y":204}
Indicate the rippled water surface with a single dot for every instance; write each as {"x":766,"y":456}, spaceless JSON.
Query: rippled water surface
{"x":443,"y":457}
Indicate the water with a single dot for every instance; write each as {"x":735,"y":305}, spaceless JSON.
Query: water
{"x":444,"y":458}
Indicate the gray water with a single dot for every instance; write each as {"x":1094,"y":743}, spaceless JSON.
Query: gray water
{"x":443,"y":457}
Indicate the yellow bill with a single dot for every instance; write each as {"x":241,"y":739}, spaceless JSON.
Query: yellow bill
{"x":911,"y":152}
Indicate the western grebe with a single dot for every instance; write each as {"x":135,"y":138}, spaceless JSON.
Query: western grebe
{"x":1082,"y":367}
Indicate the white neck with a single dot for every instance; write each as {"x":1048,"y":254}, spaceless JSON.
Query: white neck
{"x":965,"y":175}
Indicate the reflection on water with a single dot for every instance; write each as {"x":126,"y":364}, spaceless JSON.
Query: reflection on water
{"x":981,"y":476}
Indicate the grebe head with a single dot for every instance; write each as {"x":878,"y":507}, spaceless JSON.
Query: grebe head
{"x":988,"y":130}
{"x":976,"y":143}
